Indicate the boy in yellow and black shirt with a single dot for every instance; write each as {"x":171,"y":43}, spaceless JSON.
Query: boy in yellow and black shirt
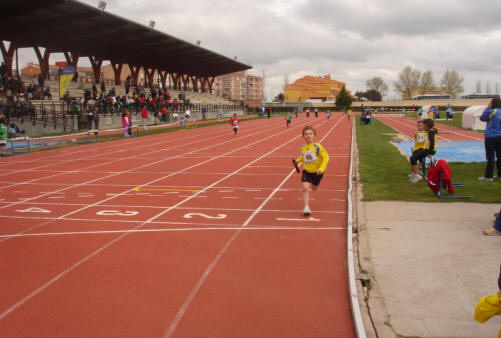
{"x":315,"y":159}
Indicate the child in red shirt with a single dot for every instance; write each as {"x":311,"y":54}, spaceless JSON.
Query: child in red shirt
{"x":144,"y":115}
{"x":234,"y":122}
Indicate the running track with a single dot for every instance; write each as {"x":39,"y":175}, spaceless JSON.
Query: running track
{"x":445,"y":133}
{"x":196,"y":233}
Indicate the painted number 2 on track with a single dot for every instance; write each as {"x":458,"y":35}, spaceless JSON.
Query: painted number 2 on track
{"x":191,"y":214}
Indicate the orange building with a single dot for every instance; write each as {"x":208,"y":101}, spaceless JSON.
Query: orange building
{"x":84,"y":73}
{"x":313,"y":88}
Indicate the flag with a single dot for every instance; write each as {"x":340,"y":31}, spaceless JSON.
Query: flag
{"x":65,"y":77}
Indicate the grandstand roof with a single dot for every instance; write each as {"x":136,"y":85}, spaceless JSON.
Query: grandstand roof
{"x":69,"y":25}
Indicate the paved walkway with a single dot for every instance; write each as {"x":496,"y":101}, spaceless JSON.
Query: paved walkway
{"x":430,"y":264}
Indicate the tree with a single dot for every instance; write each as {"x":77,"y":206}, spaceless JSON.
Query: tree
{"x":344,"y":99}
{"x":371,"y":95}
{"x":427,"y":84}
{"x":408,"y":81}
{"x":377,"y":83}
{"x":478,"y":86}
{"x":279,"y":97}
{"x":452,"y":82}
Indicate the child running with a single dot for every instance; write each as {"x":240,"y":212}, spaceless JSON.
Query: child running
{"x":3,"y":136}
{"x":288,"y":119}
{"x":420,"y":150}
{"x":315,"y":159}
{"x":234,"y":122}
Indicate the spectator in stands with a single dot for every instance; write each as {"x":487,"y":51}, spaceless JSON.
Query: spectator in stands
{"x":492,"y":115}
{"x":47,"y":95}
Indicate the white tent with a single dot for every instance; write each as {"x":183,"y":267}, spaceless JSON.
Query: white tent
{"x":426,"y":109}
{"x":471,"y":118}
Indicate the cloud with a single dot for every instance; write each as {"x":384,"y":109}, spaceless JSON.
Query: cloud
{"x":351,"y":40}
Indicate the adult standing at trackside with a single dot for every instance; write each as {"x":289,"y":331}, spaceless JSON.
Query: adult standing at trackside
{"x":204,"y":113}
{"x":296,"y":111}
{"x":492,"y":115}
{"x":95,"y":118}
{"x":90,"y":116}
{"x":144,"y":117}
{"x":269,"y":111}
{"x":316,"y":113}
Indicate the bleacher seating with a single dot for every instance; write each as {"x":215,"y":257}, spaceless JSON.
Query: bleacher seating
{"x":77,"y":89}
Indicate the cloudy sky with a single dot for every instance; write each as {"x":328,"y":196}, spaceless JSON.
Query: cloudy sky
{"x":353,"y":40}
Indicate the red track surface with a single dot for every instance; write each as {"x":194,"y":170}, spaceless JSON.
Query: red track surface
{"x":196,"y":233}
{"x":445,"y":133}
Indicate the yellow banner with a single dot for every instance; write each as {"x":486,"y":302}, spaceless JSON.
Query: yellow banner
{"x":65,"y":77}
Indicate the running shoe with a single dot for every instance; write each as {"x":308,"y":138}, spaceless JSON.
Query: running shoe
{"x":491,"y":232}
{"x":416,"y":178}
{"x":488,"y":179}
{"x":306,"y":211}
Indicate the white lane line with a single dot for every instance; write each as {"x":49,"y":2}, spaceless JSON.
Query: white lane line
{"x":132,"y":221}
{"x":133,"y":157}
{"x":138,"y":231}
{"x":230,"y":197}
{"x":148,"y":183}
{"x":105,"y":246}
{"x":195,"y":208}
{"x":179,"y":315}
{"x":304,"y":219}
{"x":450,"y":129}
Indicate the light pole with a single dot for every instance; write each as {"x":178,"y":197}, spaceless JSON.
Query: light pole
{"x":264,"y":92}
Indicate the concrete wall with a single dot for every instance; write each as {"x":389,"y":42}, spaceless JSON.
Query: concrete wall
{"x":39,"y":128}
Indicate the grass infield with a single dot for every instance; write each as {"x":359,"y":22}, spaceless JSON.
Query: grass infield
{"x":383,"y":172}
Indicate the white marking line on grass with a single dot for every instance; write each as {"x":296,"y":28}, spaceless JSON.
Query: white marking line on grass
{"x":179,"y":315}
{"x":139,"y":231}
{"x":105,"y":246}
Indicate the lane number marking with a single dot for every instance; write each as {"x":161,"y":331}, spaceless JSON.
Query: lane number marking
{"x":191,"y":214}
{"x":116,"y":213}
{"x":35,"y":209}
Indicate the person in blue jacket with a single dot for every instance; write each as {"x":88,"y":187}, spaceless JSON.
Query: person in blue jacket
{"x":492,"y":115}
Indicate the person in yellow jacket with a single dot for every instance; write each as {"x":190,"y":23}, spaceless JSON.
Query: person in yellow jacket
{"x":489,"y":306}
{"x":420,"y":150}
{"x":315,"y":159}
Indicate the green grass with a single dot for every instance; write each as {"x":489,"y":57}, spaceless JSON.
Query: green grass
{"x":384,"y":170}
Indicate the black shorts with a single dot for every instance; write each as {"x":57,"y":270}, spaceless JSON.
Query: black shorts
{"x":313,"y":178}
{"x":418,"y":155}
